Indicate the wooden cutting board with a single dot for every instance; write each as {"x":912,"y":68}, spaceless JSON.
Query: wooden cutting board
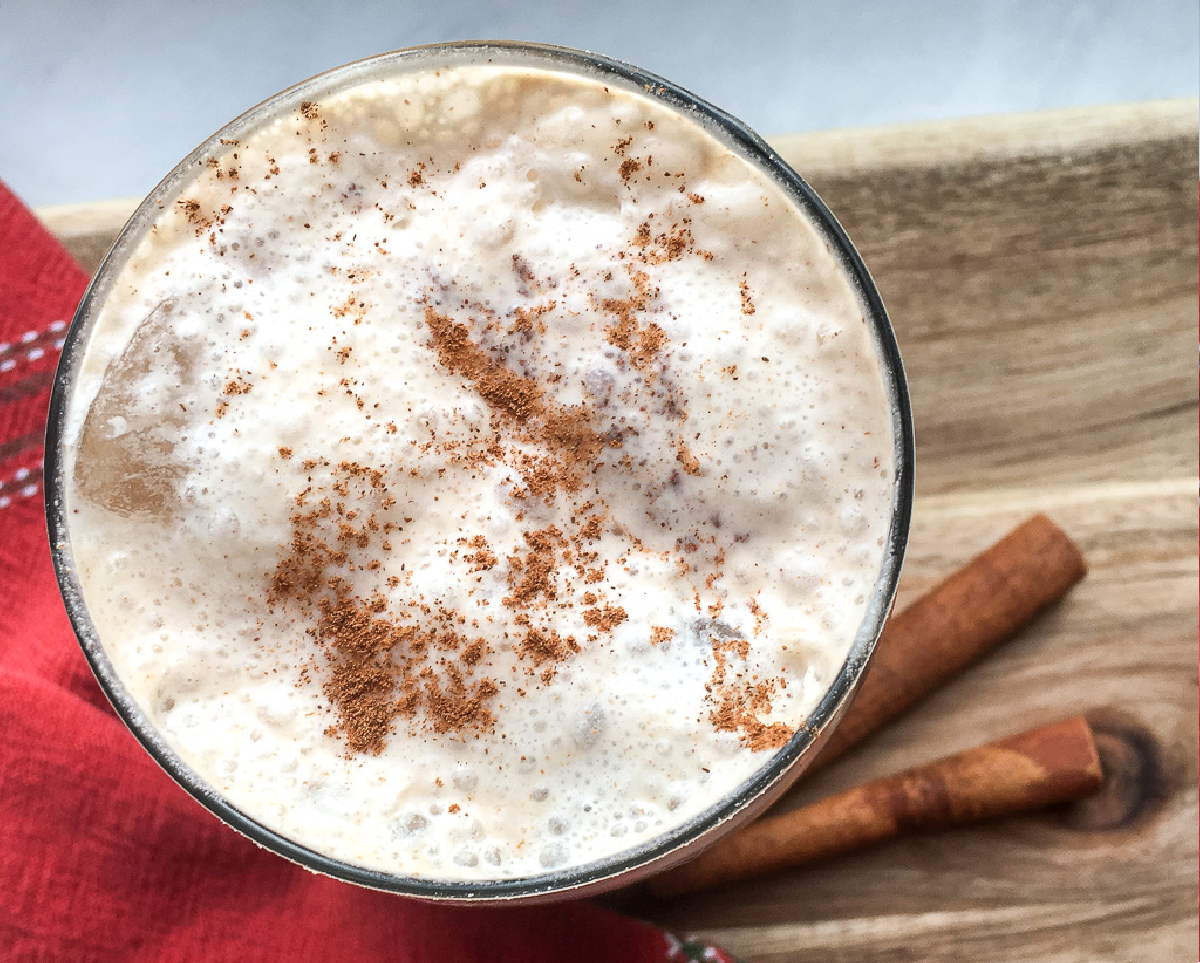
{"x":1041,"y":273}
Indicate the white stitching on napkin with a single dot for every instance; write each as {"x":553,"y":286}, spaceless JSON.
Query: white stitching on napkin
{"x":20,"y":486}
{"x":30,"y":346}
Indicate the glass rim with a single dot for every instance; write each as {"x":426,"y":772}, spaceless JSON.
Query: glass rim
{"x":751,"y":795}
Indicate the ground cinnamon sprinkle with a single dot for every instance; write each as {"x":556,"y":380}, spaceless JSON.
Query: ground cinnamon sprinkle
{"x":683,"y":455}
{"x":641,"y":343}
{"x":529,"y":318}
{"x":381,"y":664}
{"x":403,"y":661}
{"x":547,"y":646}
{"x":532,"y":578}
{"x":482,"y":559}
{"x":458,"y":707}
{"x":732,"y":714}
{"x":670,"y":245}
{"x":759,"y":615}
{"x":511,"y":394}
{"x":362,"y":682}
{"x":566,"y":432}
{"x":191,"y":210}
{"x":738,"y":703}
{"x":605,"y":619}
{"x":592,"y":528}
{"x":744,"y":290}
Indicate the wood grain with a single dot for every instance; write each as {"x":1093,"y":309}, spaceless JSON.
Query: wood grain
{"x":1041,"y":273}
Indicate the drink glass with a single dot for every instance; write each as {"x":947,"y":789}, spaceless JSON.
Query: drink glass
{"x":742,"y":802}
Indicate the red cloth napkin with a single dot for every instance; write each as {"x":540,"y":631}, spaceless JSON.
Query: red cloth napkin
{"x":102,"y":856}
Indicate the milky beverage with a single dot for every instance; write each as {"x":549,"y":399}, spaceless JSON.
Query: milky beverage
{"x":478,"y":472}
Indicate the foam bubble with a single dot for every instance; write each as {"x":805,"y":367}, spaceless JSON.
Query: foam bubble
{"x":553,"y":855}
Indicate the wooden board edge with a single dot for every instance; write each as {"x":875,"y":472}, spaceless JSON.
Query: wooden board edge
{"x":87,"y":218}
{"x":932,"y":143}
{"x":988,"y":501}
{"x":993,"y":137}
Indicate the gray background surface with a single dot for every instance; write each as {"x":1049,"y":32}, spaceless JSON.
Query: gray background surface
{"x":102,"y":99}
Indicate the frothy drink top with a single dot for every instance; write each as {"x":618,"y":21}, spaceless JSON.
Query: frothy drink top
{"x":478,"y":472}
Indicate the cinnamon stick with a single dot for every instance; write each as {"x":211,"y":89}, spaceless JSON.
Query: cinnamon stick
{"x":956,"y":623}
{"x":1047,"y":765}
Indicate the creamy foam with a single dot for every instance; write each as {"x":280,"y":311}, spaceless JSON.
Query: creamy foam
{"x":478,"y":472}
